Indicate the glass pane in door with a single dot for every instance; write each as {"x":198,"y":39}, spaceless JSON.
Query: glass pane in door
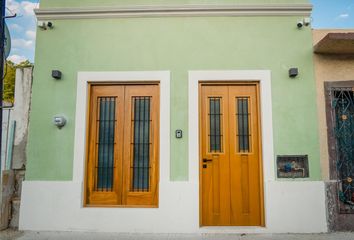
{"x":141,"y":122}
{"x":105,"y":145}
{"x":215,"y":125}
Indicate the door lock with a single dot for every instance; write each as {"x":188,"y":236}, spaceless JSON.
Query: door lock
{"x":205,"y":166}
{"x":207,"y":160}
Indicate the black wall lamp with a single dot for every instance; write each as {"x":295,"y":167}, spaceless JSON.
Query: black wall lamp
{"x":56,"y":74}
{"x":293,"y":72}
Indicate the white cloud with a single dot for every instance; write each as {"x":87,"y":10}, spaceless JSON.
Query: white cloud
{"x":12,"y":5}
{"x":21,"y":8}
{"x":22,"y":43}
{"x":28,"y":7}
{"x":16,"y":58}
{"x":15,"y":27}
{"x":31,"y":34}
{"x":22,"y":27}
{"x":343,"y":15}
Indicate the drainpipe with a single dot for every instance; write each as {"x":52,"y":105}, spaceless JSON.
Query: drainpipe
{"x":2,"y":54}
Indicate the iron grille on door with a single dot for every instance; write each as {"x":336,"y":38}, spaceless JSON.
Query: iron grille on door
{"x":141,"y":144}
{"x":215,"y":124}
{"x":243,"y":120}
{"x":106,"y":121}
{"x":123,"y":146}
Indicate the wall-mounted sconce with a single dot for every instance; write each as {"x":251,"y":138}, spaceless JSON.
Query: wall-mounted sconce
{"x":56,"y":74}
{"x":59,"y":121}
{"x":293,"y":72}
{"x":45,"y":25}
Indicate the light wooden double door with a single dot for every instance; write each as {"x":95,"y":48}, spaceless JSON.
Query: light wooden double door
{"x":231,"y":190}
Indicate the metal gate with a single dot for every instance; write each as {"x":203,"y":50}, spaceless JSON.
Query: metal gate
{"x":342,"y":104}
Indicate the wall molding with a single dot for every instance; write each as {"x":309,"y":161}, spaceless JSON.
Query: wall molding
{"x":175,"y":11}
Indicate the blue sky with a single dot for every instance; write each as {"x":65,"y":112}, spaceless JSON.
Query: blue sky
{"x":326,"y":14}
{"x":22,"y":29}
{"x":333,"y":14}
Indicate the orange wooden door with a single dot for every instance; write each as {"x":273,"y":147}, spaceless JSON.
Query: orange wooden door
{"x":230,"y":165}
{"x":123,"y":145}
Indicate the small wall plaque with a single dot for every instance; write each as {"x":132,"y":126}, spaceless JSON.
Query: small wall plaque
{"x":179,"y":133}
{"x":293,"y":166}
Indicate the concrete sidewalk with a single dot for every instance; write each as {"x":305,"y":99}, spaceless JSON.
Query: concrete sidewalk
{"x":9,"y":234}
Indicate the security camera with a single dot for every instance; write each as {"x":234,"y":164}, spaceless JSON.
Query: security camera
{"x":304,"y":22}
{"x":307,"y":21}
{"x":45,"y":25}
{"x":50,"y":24}
{"x":41,"y":25}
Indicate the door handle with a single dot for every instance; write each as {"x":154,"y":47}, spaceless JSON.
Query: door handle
{"x":207,"y":160}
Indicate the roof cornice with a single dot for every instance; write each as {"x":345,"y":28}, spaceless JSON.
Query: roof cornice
{"x":175,"y":11}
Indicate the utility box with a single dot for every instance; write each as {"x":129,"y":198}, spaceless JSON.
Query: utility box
{"x":292,"y":166}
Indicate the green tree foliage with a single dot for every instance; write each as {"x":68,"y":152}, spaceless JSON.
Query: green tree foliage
{"x":9,"y":80}
{"x":24,"y":64}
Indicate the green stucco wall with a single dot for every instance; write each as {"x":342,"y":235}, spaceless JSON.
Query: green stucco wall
{"x":86,"y":3}
{"x":178,"y":45}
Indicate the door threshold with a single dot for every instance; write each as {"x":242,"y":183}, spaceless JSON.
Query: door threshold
{"x":233,"y":229}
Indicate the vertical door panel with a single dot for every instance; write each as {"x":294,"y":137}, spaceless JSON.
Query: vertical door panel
{"x":214,"y":162}
{"x":105,"y":130}
{"x":141,"y":144}
{"x":246,"y":200}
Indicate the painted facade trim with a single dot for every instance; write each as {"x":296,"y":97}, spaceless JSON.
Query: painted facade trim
{"x":175,"y":11}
